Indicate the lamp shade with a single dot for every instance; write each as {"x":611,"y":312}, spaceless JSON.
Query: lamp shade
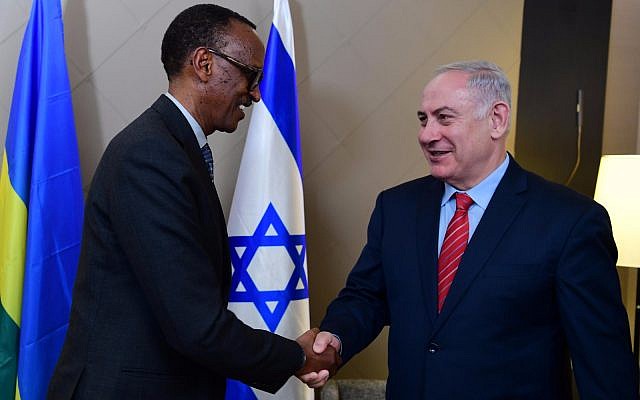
{"x":618,"y":190}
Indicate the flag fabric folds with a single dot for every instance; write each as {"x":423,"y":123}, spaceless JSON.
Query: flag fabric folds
{"x":40,"y":210}
{"x":269,"y":286}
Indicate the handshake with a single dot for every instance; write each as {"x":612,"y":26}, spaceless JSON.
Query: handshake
{"x":322,"y":360}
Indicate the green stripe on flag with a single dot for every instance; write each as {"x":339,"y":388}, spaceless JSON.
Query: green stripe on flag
{"x":8,"y":355}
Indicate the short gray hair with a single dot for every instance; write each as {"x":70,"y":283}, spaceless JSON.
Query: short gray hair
{"x":486,"y":79}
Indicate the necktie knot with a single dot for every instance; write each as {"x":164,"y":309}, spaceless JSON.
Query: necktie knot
{"x":463,"y":201}
{"x":208,"y":159}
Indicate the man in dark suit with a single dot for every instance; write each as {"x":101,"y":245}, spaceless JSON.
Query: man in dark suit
{"x":494,"y":281}
{"x":149,"y":317}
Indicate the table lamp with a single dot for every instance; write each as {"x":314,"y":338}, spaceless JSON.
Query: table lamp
{"x":618,"y":190}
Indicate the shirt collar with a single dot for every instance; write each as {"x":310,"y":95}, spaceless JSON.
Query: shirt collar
{"x":195,"y":126}
{"x":483,"y":191}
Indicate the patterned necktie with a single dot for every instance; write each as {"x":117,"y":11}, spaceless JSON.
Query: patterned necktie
{"x":208,"y":159}
{"x":454,"y":245}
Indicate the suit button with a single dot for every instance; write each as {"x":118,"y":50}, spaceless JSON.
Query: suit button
{"x":433,"y":347}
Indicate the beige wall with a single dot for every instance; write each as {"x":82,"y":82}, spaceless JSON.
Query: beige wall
{"x":623,"y":80}
{"x":622,"y":107}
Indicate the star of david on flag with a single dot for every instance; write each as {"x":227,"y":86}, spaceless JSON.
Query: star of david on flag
{"x":269,"y":286}
{"x":271,"y":304}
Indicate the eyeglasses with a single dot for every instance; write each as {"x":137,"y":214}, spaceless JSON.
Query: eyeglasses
{"x":254,"y":74}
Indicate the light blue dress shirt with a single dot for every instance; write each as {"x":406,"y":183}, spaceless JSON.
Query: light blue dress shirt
{"x":480,"y":194}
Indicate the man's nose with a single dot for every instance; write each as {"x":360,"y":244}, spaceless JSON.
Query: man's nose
{"x":255,"y":94}
{"x":428,"y":133}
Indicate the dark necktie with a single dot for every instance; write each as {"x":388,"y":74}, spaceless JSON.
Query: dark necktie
{"x":453,"y":246}
{"x":208,"y":159}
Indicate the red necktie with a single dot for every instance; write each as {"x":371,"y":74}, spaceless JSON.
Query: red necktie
{"x":453,"y":246}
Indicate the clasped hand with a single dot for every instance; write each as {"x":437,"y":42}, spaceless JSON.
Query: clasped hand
{"x":322,"y":357}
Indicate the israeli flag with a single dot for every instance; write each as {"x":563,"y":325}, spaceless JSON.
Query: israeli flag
{"x":269,"y":287}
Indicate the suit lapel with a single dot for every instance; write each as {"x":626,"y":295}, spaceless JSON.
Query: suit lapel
{"x":427,"y":217}
{"x":180,"y":129}
{"x":503,"y":208}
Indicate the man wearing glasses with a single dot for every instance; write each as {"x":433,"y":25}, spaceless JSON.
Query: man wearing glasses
{"x":149,"y":318}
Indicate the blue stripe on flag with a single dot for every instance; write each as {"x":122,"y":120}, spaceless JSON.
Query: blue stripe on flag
{"x":278,"y":89}
{"x":239,"y":391}
{"x":20,"y":140}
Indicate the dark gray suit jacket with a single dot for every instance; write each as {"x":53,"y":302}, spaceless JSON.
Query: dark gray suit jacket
{"x":149,"y":317}
{"x":536,"y":287}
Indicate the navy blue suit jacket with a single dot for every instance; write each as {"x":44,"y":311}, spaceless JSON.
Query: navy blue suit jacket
{"x":536,"y":287}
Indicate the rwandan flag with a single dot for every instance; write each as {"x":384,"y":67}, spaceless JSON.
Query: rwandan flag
{"x":269,"y":287}
{"x":40,"y":210}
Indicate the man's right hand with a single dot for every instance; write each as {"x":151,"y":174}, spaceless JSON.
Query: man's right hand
{"x":322,"y":346}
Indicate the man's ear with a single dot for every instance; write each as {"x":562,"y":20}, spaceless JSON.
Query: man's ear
{"x":499,"y":119}
{"x":203,"y":63}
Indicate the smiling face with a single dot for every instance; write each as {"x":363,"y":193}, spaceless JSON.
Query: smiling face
{"x":224,"y":86}
{"x":461,"y":148}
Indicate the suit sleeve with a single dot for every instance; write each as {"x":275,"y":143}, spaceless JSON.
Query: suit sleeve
{"x":360,"y":311}
{"x":156,"y":219}
{"x":592,"y":313}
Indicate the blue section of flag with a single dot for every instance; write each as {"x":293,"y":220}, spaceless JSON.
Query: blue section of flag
{"x":44,"y":169}
{"x":239,"y":391}
{"x":278,"y":90}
